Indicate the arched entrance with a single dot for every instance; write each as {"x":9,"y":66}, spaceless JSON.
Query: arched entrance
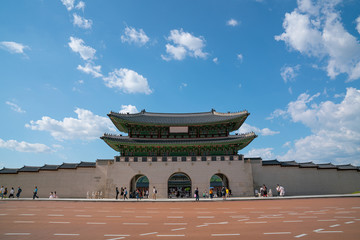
{"x":140,"y":182}
{"x":179,"y":186}
{"x":217,"y":181}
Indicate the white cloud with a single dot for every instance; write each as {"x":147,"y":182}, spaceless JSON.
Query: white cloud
{"x":87,"y":126}
{"x":264,"y":153}
{"x":335,"y":129}
{"x":183,"y":85}
{"x":13,"y":47}
{"x":82,"y":22}
{"x":315,"y":29}
{"x":216,"y":60}
{"x":89,"y":68}
{"x":128,"y":109}
{"x":77,"y":45}
{"x":358,"y":24}
{"x":15,"y":107}
{"x":24,"y":146}
{"x":131,"y":35}
{"x":184,"y":44}
{"x":289,"y":73}
{"x":69,"y":4}
{"x":245,"y":128}
{"x":240,"y":57}
{"x":80,"y":5}
{"x":127,"y":81}
{"x":232,"y":22}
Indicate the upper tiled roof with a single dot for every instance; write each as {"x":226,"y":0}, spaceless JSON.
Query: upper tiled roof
{"x":176,"y":119}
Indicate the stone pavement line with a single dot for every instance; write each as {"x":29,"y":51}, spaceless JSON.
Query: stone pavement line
{"x":301,"y":235}
{"x":178,"y":229}
{"x":17,"y":234}
{"x":169,"y":235}
{"x":224,"y":234}
{"x":66,"y":234}
{"x":61,"y":222}
{"x":116,"y":235}
{"x":276,"y":233}
{"x":145,"y":234}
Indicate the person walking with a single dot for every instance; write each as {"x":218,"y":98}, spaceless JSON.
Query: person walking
{"x":223,"y":193}
{"x":18,"y":192}
{"x":2,"y":192}
{"x":35,"y":193}
{"x":211,"y":193}
{"x":278,"y":190}
{"x":125,"y":193}
{"x":5,"y":192}
{"x":197,"y":194}
{"x":117,"y":193}
{"x":154,"y":192}
{"x":11,"y":195}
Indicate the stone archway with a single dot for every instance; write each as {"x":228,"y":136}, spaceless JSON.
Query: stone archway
{"x":179,"y":186}
{"x":140,"y":182}
{"x":217,"y":181}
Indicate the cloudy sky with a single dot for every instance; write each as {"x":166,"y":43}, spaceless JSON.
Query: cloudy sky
{"x":65,"y":64}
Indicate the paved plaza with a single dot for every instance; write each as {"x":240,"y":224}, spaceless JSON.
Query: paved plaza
{"x":315,"y":218}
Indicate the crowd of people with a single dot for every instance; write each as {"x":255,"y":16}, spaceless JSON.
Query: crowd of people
{"x":265,"y":192}
{"x":137,"y":193}
{"x":4,"y":191}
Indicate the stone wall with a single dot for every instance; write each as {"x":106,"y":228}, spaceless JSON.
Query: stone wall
{"x":66,"y":182}
{"x":200,"y":172}
{"x":305,"y":181}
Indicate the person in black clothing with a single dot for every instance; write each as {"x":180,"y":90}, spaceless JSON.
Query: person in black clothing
{"x":117,"y":193}
{"x":18,"y":192}
{"x":197,"y":194}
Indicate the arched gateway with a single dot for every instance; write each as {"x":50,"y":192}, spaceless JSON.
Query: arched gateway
{"x":179,"y":186}
{"x":139,"y":182}
{"x":217,"y":182}
{"x":158,"y":143}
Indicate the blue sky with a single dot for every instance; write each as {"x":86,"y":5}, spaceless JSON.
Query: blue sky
{"x":294,"y":65}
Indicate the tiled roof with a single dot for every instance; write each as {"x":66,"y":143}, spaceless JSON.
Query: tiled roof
{"x":326,"y":166}
{"x":178,"y":118}
{"x":289,"y":164}
{"x":121,"y":120}
{"x":9,"y":170}
{"x":49,"y":167}
{"x":308,"y":165}
{"x":68,"y":166}
{"x":87,"y":164}
{"x":29,"y":169}
{"x":169,"y":141}
{"x":271,"y":162}
{"x":346,"y":167}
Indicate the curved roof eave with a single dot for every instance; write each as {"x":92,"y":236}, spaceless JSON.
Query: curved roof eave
{"x":115,"y":141}
{"x":120,"y":120}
